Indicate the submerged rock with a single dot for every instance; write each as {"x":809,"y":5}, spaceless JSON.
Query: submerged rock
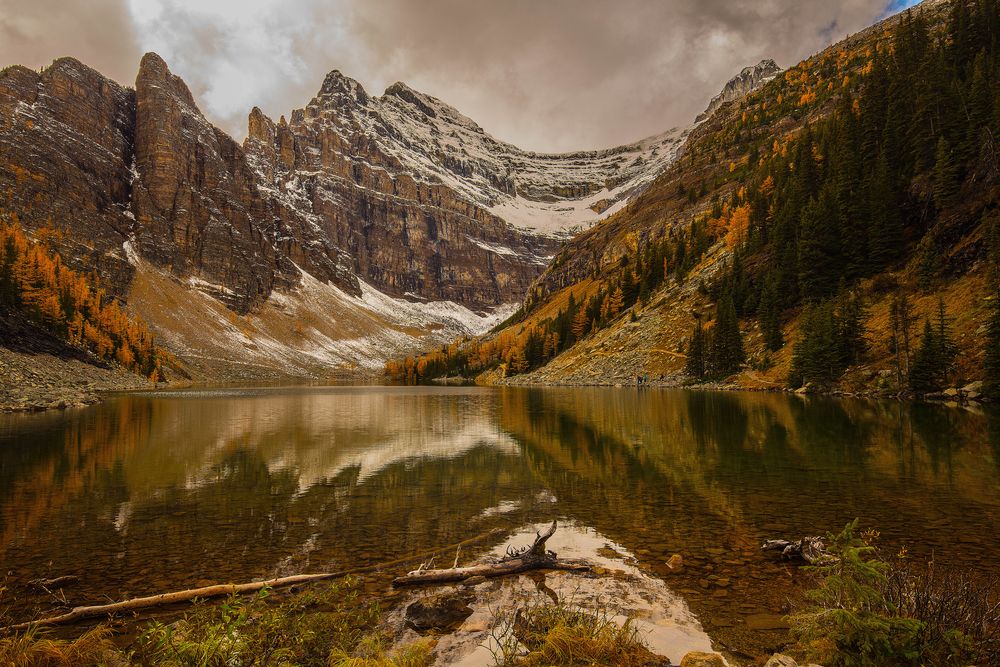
{"x":781,"y":660}
{"x":702,"y":659}
{"x":443,"y":612}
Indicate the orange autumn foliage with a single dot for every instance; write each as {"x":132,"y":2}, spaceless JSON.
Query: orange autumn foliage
{"x":34,"y":281}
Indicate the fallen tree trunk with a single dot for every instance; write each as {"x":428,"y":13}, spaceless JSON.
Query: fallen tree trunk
{"x":218,"y":590}
{"x":533,"y":557}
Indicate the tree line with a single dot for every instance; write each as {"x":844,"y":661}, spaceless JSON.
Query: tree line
{"x":900,"y":166}
{"x":35,"y":282}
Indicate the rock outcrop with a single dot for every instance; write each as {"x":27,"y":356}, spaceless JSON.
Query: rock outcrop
{"x":115,"y":171}
{"x":741,"y":85}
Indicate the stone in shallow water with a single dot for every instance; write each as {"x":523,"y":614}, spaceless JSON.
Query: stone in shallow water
{"x":781,"y":660}
{"x":443,"y":613}
{"x":702,"y":659}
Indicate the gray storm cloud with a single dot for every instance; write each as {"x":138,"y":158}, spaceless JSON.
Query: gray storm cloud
{"x":550,"y":75}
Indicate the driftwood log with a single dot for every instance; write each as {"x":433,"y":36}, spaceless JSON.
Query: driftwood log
{"x":219,"y":590}
{"x":810,"y":549}
{"x":532,"y":557}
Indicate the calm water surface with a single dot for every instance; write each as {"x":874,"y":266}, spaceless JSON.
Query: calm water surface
{"x":152,"y":492}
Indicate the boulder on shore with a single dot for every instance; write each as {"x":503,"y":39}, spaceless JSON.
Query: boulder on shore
{"x":702,"y":659}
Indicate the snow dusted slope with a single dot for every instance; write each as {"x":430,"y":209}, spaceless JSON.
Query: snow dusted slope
{"x":545,"y":193}
{"x":310,"y":330}
{"x":407,"y":132}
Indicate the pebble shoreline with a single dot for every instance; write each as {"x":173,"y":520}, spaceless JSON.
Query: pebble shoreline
{"x":35,"y":382}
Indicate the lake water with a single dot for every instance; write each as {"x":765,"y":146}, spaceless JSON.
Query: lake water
{"x":153,"y":492}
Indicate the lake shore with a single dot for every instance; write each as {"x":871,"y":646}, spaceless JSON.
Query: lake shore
{"x":40,"y":372}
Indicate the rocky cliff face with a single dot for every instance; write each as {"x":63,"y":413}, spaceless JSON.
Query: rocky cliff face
{"x":741,"y":85}
{"x":66,"y":144}
{"x":406,"y":232}
{"x":196,"y":206}
{"x":307,"y":222}
{"x":117,"y":171}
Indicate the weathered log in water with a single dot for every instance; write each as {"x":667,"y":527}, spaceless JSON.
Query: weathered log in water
{"x":219,"y":590}
{"x":533,"y":557}
{"x":810,"y":549}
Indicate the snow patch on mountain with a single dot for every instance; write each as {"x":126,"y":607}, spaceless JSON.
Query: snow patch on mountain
{"x":550,"y":194}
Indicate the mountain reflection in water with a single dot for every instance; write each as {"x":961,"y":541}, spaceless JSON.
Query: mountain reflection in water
{"x":153,"y":492}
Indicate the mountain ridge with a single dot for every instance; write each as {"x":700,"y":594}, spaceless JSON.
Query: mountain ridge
{"x":363,"y":198}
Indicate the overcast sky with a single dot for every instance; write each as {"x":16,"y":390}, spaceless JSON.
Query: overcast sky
{"x":549,"y":75}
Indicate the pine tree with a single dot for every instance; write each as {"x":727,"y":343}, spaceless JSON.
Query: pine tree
{"x":991,"y":363}
{"x":946,"y":180}
{"x":850,"y":316}
{"x":581,"y":324}
{"x":726,"y":354}
{"x":769,"y":313}
{"x":947,"y":349}
{"x":816,"y":354}
{"x":695,"y":364}
{"x":925,"y":373}
{"x":616,"y":301}
{"x":518,"y":362}
{"x":900,"y":320}
{"x":819,"y":248}
{"x":8,"y":284}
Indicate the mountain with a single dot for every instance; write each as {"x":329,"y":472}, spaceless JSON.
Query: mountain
{"x":407,"y":132}
{"x":816,"y":222}
{"x":360,"y":228}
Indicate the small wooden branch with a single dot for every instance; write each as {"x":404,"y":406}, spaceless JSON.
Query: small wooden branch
{"x":810,"y":549}
{"x":58,"y":582}
{"x":532,"y":557}
{"x":219,"y":590}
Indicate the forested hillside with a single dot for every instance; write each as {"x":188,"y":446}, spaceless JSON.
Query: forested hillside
{"x":35,"y":284}
{"x":836,"y":221}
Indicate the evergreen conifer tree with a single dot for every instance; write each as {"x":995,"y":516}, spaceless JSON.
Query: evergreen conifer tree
{"x":726,"y":353}
{"x":886,"y":233}
{"x":819,"y":248}
{"x":695,"y":365}
{"x":946,"y":181}
{"x":769,"y":312}
{"x":850,"y":316}
{"x":925,"y":372}
{"x":816,"y":357}
{"x":991,"y":364}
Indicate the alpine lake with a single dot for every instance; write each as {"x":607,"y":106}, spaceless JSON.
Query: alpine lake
{"x":162,"y":491}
